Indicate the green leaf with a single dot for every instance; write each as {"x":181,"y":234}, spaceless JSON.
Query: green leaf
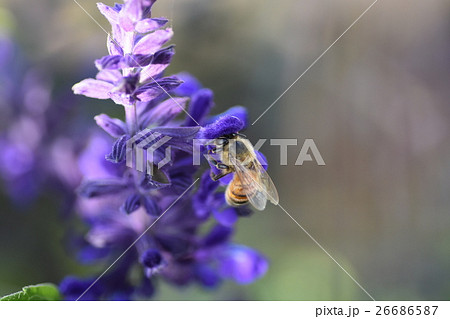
{"x":40,"y":292}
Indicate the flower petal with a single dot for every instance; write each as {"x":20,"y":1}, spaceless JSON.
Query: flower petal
{"x":72,"y":288}
{"x":183,"y":133}
{"x":153,"y":89}
{"x":204,"y":200}
{"x":109,"y":231}
{"x":238,"y":111}
{"x":133,"y":10}
{"x":109,"y":62}
{"x":190,"y":84}
{"x":151,"y":258}
{"x":92,"y":162}
{"x":126,"y":23}
{"x":159,"y":63}
{"x":113,"y":127}
{"x":173,"y":244}
{"x":96,"y":188}
{"x":201,"y":103}
{"x":148,"y":25}
{"x":130,"y":13}
{"x":217,"y":236}
{"x":119,"y":150}
{"x":132,"y":203}
{"x":111,"y":76}
{"x":113,"y":43}
{"x":223,"y":126}
{"x":89,"y":254}
{"x":109,"y":13}
{"x":163,"y":112}
{"x":243,"y":264}
{"x":207,"y":186}
{"x":151,"y":43}
{"x":226,"y":217}
{"x":137,"y":60}
{"x":93,"y":88}
{"x":207,"y":276}
{"x":151,"y":206}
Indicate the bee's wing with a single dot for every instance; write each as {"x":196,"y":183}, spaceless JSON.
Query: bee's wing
{"x":258,"y":200}
{"x":251,"y":185}
{"x":256,"y":183}
{"x":266,"y":185}
{"x":272,"y":193}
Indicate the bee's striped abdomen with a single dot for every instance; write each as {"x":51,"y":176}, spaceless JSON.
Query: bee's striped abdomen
{"x":235,"y":193}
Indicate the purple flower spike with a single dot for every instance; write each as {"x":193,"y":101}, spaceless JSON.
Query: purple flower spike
{"x":120,"y":201}
{"x":223,"y":126}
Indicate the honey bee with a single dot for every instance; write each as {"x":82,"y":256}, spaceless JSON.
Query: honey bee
{"x":250,"y":182}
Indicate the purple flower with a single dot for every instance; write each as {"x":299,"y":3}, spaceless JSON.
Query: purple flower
{"x":35,"y":152}
{"x":132,"y":71}
{"x":120,"y":204}
{"x":242,"y":264}
{"x":224,"y":125}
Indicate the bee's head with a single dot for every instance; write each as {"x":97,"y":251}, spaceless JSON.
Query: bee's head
{"x":229,"y":136}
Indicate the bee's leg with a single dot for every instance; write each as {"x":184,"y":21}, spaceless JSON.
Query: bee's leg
{"x":224,"y":169}
{"x":220,"y":166}
{"x":223,"y":173}
{"x":213,"y":161}
{"x":224,"y":141}
{"x":223,"y":166}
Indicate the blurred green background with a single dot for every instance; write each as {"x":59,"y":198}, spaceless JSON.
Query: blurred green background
{"x":376,"y":106}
